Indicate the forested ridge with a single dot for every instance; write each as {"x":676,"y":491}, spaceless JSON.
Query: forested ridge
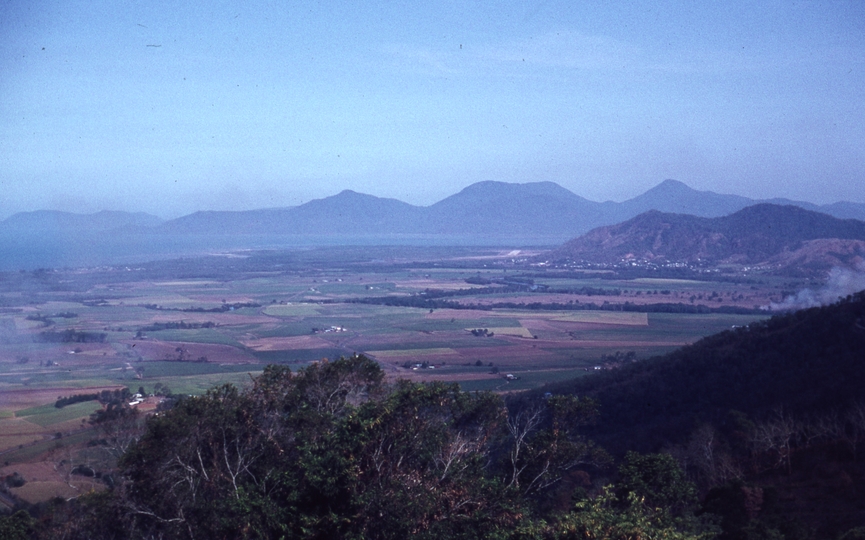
{"x":810,"y":361}
{"x":776,"y":405}
{"x":756,"y":432}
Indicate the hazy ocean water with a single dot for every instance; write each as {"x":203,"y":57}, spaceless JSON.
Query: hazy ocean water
{"x":33,"y":250}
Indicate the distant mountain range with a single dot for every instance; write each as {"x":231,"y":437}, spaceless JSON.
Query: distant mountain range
{"x":488,"y":212}
{"x":778,"y":237}
{"x":485,"y":213}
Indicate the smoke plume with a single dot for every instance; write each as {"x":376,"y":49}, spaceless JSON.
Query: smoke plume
{"x":841,"y":283}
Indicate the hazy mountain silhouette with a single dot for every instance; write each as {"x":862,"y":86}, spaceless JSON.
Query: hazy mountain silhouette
{"x":484,"y":213}
{"x":495,"y":208}
{"x":489,"y":211}
{"x":672,"y":196}
{"x":350,"y":212}
{"x":67,"y":221}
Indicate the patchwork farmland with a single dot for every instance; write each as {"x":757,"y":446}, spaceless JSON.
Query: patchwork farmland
{"x":182,"y":327}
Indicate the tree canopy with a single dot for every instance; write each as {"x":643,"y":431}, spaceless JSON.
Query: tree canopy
{"x":332,"y":451}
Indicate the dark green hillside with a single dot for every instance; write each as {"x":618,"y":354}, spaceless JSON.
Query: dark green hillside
{"x":768,"y":420}
{"x":808,"y":362}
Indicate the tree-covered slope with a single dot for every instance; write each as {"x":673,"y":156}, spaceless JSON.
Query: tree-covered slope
{"x":806,"y":362}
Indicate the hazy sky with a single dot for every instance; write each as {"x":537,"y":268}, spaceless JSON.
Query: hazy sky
{"x":173,"y":107}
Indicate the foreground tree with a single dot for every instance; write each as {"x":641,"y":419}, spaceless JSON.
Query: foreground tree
{"x":545,"y":442}
{"x":608,"y":517}
{"x":332,"y":452}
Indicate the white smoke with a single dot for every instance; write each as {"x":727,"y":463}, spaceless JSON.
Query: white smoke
{"x":841,"y":283}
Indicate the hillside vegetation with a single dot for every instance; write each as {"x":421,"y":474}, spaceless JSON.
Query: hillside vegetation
{"x":775,"y":236}
{"x":778,"y":403}
{"x":809,"y":361}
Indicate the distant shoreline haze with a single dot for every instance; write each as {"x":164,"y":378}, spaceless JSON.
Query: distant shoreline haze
{"x":538,"y":214}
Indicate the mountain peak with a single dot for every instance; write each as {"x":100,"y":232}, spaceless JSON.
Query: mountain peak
{"x":677,"y":197}
{"x":669,"y":185}
{"x":493,"y":188}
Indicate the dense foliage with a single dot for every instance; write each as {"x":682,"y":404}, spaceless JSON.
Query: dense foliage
{"x":333,"y":452}
{"x":807,"y":362}
{"x":76,"y":398}
{"x":768,"y":420}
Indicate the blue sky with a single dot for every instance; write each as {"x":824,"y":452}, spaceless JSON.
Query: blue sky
{"x":174,"y":107}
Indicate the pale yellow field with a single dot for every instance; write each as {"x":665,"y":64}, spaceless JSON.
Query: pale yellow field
{"x":518,"y":331}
